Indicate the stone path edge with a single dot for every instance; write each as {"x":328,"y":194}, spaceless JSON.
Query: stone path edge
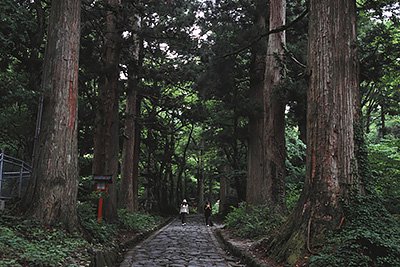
{"x":237,"y":252}
{"x":129,"y":244}
{"x":113,"y":257}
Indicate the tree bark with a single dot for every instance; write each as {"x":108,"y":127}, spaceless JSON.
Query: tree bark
{"x":180,"y":190}
{"x":129,"y":183}
{"x":106,"y":143}
{"x":239,"y":180}
{"x":331,"y":116}
{"x":200,"y":179}
{"x":51,"y":197}
{"x":256,"y":183}
{"x":170,"y":179}
{"x":223,"y":193}
{"x":136,"y":154}
{"x":274,"y":110}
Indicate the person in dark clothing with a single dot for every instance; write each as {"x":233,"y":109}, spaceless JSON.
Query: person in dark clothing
{"x":207,"y":213}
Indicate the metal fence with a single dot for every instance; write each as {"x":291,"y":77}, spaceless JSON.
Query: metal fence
{"x":14,"y":177}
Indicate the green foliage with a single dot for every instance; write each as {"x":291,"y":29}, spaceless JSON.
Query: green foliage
{"x":101,"y":232}
{"x":295,"y":166}
{"x":370,"y":237}
{"x":252,"y":221}
{"x":27,"y":244}
{"x":139,"y":222}
{"x":20,"y":43}
{"x":384,"y":158}
{"x":293,"y":191}
{"x":296,"y":153}
{"x":215,"y":207}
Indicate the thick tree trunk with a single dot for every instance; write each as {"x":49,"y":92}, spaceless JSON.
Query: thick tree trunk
{"x":332,"y":114}
{"x":256,"y":182}
{"x":51,"y":197}
{"x":274,"y":109}
{"x":223,"y":193}
{"x":106,"y":143}
{"x":129,"y":190}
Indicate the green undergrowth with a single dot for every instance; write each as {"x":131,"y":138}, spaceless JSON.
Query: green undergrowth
{"x":252,"y":222}
{"x":139,"y":222}
{"x":370,"y":237}
{"x":100,"y":232}
{"x":104,"y":232}
{"x":27,"y":243}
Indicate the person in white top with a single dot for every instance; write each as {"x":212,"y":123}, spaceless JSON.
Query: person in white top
{"x":184,"y":210}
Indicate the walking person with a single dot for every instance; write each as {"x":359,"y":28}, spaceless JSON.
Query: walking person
{"x":184,"y":211}
{"x":207,"y":213}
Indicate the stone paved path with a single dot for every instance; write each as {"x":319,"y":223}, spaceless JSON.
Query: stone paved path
{"x":191,"y":245}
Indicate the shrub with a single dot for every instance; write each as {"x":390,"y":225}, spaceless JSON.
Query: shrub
{"x":295,"y":166}
{"x":384,"y":158}
{"x":293,"y":191}
{"x":137,"y":221}
{"x":370,"y":237}
{"x":295,"y":156}
{"x":101,"y":232}
{"x":26,"y":244}
{"x":252,"y":221}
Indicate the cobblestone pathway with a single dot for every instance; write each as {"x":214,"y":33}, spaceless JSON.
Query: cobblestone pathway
{"x":175,"y":245}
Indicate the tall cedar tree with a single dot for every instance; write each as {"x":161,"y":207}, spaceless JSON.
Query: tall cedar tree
{"x":274,"y":109}
{"x":256,"y":185}
{"x":332,"y":112}
{"x":130,"y":150}
{"x":52,"y":192}
{"x":106,"y":145}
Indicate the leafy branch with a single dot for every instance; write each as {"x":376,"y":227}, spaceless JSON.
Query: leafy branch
{"x":276,"y":30}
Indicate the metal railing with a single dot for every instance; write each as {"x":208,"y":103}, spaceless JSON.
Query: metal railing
{"x":14,"y":177}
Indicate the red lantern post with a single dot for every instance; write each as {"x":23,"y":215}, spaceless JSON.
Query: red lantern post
{"x":102,"y":182}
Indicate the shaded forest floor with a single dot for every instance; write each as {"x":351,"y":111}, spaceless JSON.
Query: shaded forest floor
{"x":369,"y":236}
{"x":245,"y":249}
{"x":25,"y":243}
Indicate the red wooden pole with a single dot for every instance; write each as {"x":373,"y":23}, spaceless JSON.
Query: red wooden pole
{"x":100,"y":210}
